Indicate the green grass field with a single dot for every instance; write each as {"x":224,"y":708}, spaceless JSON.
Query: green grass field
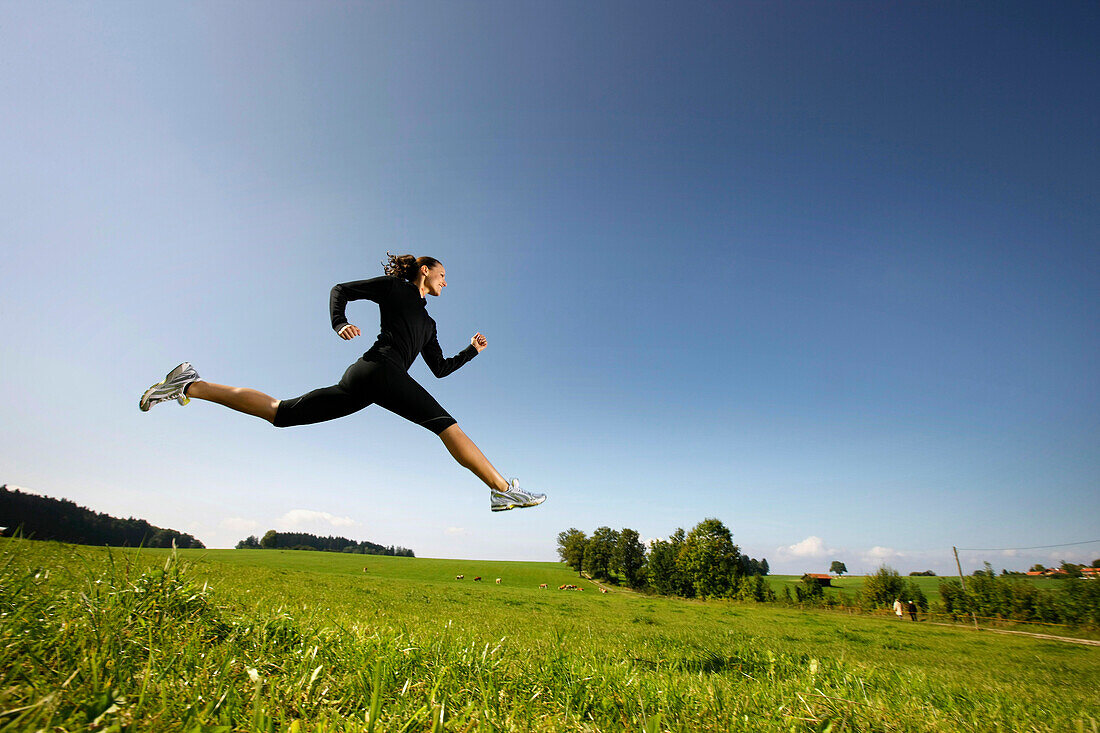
{"x":850,"y":585}
{"x":237,"y":640}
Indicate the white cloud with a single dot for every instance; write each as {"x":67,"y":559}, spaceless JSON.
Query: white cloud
{"x":304,"y":518}
{"x":879,"y":554}
{"x":455,"y":531}
{"x":812,"y":546}
{"x":1074,"y":556}
{"x":238,"y":524}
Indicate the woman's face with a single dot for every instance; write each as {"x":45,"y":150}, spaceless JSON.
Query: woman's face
{"x":435,"y":280}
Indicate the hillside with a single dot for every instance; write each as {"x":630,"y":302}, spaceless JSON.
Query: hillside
{"x":46,"y":518}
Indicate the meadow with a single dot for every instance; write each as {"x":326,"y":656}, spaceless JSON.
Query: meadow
{"x":265,"y":640}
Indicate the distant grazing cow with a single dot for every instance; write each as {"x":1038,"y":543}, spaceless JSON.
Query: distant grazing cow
{"x":477,"y":578}
{"x":459,"y":577}
{"x":603,"y":590}
{"x":542,"y":585}
{"x":364,"y":570}
{"x":498,"y":581}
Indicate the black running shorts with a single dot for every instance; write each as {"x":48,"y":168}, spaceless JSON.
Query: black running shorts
{"x":366,"y":382}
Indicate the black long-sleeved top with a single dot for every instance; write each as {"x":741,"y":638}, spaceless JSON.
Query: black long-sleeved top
{"x":406,"y":328}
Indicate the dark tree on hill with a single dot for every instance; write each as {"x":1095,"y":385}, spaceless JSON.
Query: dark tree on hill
{"x":249,"y":543}
{"x":750,"y":566}
{"x":1037,"y":568}
{"x":571,"y":545}
{"x":273,"y":540}
{"x":838,"y":568}
{"x":44,"y":518}
{"x":629,"y":557}
{"x":599,"y":552}
{"x":1096,"y":563}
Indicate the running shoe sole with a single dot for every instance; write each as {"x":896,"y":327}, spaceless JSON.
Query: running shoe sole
{"x":506,"y":507}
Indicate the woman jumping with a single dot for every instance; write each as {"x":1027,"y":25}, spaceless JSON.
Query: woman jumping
{"x":380,"y":376}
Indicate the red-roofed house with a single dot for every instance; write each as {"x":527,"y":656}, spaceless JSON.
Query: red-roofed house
{"x":821,"y":578}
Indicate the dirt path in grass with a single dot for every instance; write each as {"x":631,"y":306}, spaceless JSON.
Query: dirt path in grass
{"x":1070,"y":639}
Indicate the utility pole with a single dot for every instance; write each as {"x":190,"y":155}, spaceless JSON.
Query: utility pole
{"x":963,"y":581}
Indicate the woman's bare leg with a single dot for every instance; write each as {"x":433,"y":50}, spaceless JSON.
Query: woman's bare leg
{"x":469,"y":456}
{"x":241,"y":399}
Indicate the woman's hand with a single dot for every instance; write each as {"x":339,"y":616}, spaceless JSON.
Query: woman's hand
{"x":349,"y":332}
{"x":479,"y":342}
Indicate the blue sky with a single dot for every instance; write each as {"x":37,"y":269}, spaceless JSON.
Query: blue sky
{"x":825,"y":271}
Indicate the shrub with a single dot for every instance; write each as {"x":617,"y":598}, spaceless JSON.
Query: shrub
{"x":914,"y":593}
{"x":755,"y":588}
{"x":810,"y":591}
{"x":881,"y":588}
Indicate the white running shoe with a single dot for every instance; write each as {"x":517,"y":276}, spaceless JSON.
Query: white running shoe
{"x":175,"y":382}
{"x":513,"y":498}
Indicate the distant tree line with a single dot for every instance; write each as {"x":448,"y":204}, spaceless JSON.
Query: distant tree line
{"x":44,"y":518}
{"x":702,"y":563}
{"x":1075,"y":601}
{"x":273,"y":540}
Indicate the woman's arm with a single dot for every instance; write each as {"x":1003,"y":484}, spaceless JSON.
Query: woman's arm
{"x":433,"y":355}
{"x":374,"y":289}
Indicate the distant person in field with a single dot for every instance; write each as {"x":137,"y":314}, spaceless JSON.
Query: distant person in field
{"x":897,"y":608}
{"x":379,"y":376}
{"x":912,"y":610}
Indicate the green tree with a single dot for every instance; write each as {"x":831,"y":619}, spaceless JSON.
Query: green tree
{"x":838,"y":568}
{"x":249,"y":543}
{"x":710,"y":559}
{"x":914,"y":593}
{"x":881,"y":588}
{"x":1037,"y":568}
{"x":662,"y":572}
{"x":599,"y":552}
{"x":1071,"y":569}
{"x":630,"y":557}
{"x":571,"y":544}
{"x":752,"y":566}
{"x":270,"y":539}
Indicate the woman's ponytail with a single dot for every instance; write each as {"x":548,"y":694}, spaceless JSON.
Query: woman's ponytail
{"x":406,"y":266}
